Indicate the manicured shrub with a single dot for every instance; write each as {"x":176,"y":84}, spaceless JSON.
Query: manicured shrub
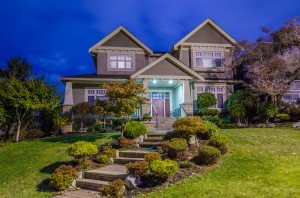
{"x":266,"y":111}
{"x":190,"y":125}
{"x":134,"y":129}
{"x":109,"y":151}
{"x":82,"y":149}
{"x":219,"y":141}
{"x":103,"y":159}
{"x":147,"y":117}
{"x":84,"y":163}
{"x":208,"y":112}
{"x":140,"y":168}
{"x":115,"y":189}
{"x":125,"y":143}
{"x":163,"y":169}
{"x":283,"y":117}
{"x":149,"y":157}
{"x":186,"y":164}
{"x":206,"y":100}
{"x":208,"y":155}
{"x":35,"y":133}
{"x":63,"y":177}
{"x":174,"y":147}
{"x":211,"y":130}
{"x":177,"y":134}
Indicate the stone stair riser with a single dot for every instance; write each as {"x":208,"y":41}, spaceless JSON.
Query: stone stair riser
{"x":126,"y":160}
{"x":104,"y":177}
{"x":89,"y":186}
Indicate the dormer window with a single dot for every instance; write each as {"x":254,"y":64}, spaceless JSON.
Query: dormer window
{"x":204,"y":59}
{"x":120,"y":62}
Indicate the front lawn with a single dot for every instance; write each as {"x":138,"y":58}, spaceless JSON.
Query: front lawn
{"x":25,"y":168}
{"x":261,"y":163}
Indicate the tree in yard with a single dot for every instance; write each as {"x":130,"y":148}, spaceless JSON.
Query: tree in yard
{"x":80,"y":111}
{"x":17,"y":67}
{"x":23,"y":97}
{"x":2,"y":114}
{"x":271,"y":63}
{"x":124,"y":100}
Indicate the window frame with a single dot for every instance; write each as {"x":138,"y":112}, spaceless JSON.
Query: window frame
{"x":117,"y":68}
{"x":214,"y":89}
{"x":200,"y":55}
{"x":95,"y":93}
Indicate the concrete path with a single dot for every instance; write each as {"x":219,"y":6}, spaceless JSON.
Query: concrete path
{"x":81,"y":193}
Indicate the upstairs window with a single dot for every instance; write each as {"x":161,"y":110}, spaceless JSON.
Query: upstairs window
{"x":207,"y":59}
{"x":295,"y":85}
{"x":96,"y":94}
{"x":121,"y":61}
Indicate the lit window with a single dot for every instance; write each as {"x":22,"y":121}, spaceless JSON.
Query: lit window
{"x":208,"y":59}
{"x":121,"y":61}
{"x":96,"y":94}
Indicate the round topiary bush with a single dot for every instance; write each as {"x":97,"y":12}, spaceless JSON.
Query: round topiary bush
{"x":163,"y":169}
{"x":150,"y":157}
{"x":208,"y":155}
{"x":190,"y":125}
{"x":114,"y":189}
{"x":82,"y":149}
{"x":62,"y":177}
{"x":134,"y":129}
{"x":175,"y":147}
{"x":140,"y":168}
{"x":211,"y":130}
{"x":206,"y":100}
{"x":103,"y":159}
{"x":219,"y":141}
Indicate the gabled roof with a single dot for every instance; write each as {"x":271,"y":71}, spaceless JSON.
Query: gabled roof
{"x":116,"y":31}
{"x":174,"y":61}
{"x":212,"y":23}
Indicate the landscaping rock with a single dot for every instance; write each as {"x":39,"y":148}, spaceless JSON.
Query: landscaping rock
{"x":139,"y":139}
{"x":192,"y":140}
{"x":132,"y":181}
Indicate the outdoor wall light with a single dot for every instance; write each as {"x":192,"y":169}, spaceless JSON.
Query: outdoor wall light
{"x":170,"y":81}
{"x":154,"y":81}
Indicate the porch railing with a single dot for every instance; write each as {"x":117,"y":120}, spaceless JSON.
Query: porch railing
{"x":156,"y":113}
{"x":137,"y":114}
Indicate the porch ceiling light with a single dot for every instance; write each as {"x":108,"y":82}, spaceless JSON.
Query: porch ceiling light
{"x":170,"y":81}
{"x":154,"y":81}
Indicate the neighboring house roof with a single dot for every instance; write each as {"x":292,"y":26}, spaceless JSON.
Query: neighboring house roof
{"x":94,"y":76}
{"x":214,"y":25}
{"x":176,"y":63}
{"x":115,"y":32}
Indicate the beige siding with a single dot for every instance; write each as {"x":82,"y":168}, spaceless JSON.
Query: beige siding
{"x":78,"y":95}
{"x":120,"y":40}
{"x":164,"y":68}
{"x":185,"y":57}
{"x":207,"y":34}
{"x":102,"y":67}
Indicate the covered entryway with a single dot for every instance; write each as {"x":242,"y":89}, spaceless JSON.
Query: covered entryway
{"x":160,"y":104}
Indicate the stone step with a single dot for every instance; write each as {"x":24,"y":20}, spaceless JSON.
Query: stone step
{"x":104,"y":175}
{"x":149,"y":144}
{"x":132,"y":154}
{"x":126,"y":160}
{"x":155,"y":135}
{"x":90,"y":184}
{"x":153,"y":139}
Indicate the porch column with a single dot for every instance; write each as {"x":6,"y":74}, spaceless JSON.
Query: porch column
{"x":68,"y":102}
{"x":187,"y":103}
{"x":147,"y":106}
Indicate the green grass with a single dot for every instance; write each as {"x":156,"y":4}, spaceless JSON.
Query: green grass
{"x":25,"y":167}
{"x":261,"y":163}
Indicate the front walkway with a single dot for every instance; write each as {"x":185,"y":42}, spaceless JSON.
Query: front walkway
{"x":80,"y":193}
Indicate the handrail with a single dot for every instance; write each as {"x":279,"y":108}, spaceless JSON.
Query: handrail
{"x":156,"y":113}
{"x":182,"y":107}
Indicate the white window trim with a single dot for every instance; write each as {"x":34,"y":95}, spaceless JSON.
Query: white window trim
{"x":203,"y":67}
{"x":87,"y":94}
{"x":120,"y":69}
{"x":215,"y":92}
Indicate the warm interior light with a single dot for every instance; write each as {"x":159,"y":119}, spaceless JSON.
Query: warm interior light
{"x":154,"y":81}
{"x":170,"y":81}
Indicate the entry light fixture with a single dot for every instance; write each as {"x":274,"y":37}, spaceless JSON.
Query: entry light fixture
{"x":154,"y":81}
{"x":170,"y":81}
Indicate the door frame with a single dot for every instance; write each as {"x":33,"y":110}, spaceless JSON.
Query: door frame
{"x":162,"y":91}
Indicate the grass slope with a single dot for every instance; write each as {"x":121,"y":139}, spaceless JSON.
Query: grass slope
{"x":261,"y":163}
{"x":25,"y":168}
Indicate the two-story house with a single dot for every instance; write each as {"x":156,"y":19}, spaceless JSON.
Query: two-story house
{"x":199,"y":62}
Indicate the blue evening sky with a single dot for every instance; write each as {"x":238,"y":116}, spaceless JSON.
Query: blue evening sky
{"x":55,"y":35}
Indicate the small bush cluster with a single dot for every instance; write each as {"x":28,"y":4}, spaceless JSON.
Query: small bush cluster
{"x":177,"y":134}
{"x":283,"y":117}
{"x":109,"y":151}
{"x":163,"y":168}
{"x":150,"y":157}
{"x":125,"y":143}
{"x":208,"y":155}
{"x":174,"y":147}
{"x":190,"y":125}
{"x":114,"y":189}
{"x":208,"y":112}
{"x":35,"y":133}
{"x":84,"y":163}
{"x":103,"y":159}
{"x":147,"y":117}
{"x":206,"y":100}
{"x":186,"y":164}
{"x":63,"y":177}
{"x":211,"y":129}
{"x":220,"y":142}
{"x":82,"y":149}
{"x":134,"y":129}
{"x":139,"y":168}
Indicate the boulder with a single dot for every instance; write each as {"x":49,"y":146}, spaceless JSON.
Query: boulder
{"x":132,"y":181}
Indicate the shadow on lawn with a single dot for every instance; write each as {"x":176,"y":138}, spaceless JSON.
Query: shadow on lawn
{"x":89,"y":137}
{"x":45,"y":186}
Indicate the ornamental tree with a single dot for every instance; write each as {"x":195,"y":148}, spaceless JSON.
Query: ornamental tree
{"x":206,"y":100}
{"x":80,"y":111}
{"x":124,"y":100}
